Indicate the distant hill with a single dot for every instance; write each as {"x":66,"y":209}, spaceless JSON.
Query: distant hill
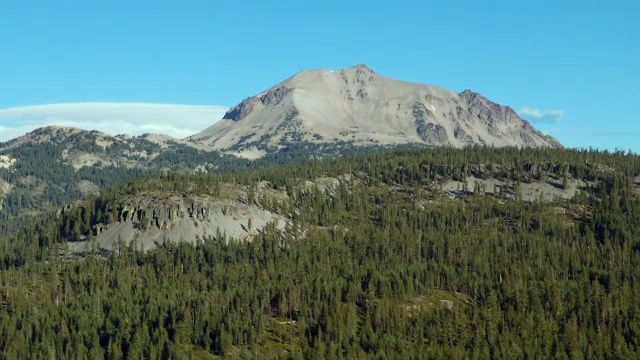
{"x":48,"y":167}
{"x":51,"y":166}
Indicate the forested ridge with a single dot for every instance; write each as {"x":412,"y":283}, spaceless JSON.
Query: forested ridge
{"x":384,"y":266}
{"x":45,"y":179}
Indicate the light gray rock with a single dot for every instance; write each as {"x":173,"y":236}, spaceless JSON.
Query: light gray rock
{"x":357,"y":105}
{"x":152,"y":219}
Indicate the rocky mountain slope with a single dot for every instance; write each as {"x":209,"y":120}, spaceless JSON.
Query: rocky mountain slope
{"x":358,"y":106}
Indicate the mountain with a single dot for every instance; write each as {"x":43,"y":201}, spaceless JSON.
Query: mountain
{"x":358,"y":106}
{"x":92,"y":148}
{"x":48,"y":167}
{"x":177,"y":120}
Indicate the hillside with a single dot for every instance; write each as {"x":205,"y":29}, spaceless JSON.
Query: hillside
{"x":387,"y":255}
{"x":80,"y":148}
{"x":47,"y":168}
{"x":191,"y":209}
{"x":358,"y":106}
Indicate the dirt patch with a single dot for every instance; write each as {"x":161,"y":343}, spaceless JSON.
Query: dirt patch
{"x":251,"y":153}
{"x":86,"y":187}
{"x":104,"y":142}
{"x":473,"y":184}
{"x":29,"y":181}
{"x":5,"y":187}
{"x":550,"y":190}
{"x":437,"y":300}
{"x":329,"y":184}
{"x":7,"y":162}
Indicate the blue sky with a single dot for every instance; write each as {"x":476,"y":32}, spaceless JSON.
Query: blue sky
{"x":570,"y":67}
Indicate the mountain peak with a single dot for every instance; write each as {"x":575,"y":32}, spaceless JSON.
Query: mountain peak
{"x":358,"y":106}
{"x":57,"y":128}
{"x":362,"y":67}
{"x":46,"y":133}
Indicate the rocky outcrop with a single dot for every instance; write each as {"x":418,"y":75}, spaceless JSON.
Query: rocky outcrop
{"x":6,"y":162}
{"x":163,"y":215}
{"x":240,"y":111}
{"x":269,"y":98}
{"x":429,"y":132}
{"x":153,"y":218}
{"x":275,"y":96}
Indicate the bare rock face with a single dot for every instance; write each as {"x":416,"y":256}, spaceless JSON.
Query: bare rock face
{"x":153,"y":218}
{"x":361,"y":107}
{"x":275,"y":96}
{"x":503,"y":121}
{"x":240,"y":111}
{"x":150,"y":218}
{"x":268,"y":98}
{"x":429,"y":132}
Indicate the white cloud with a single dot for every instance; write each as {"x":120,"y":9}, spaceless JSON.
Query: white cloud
{"x":112,"y":118}
{"x":542,"y":116}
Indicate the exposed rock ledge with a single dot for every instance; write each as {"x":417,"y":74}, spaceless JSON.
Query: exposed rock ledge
{"x":152,"y":219}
